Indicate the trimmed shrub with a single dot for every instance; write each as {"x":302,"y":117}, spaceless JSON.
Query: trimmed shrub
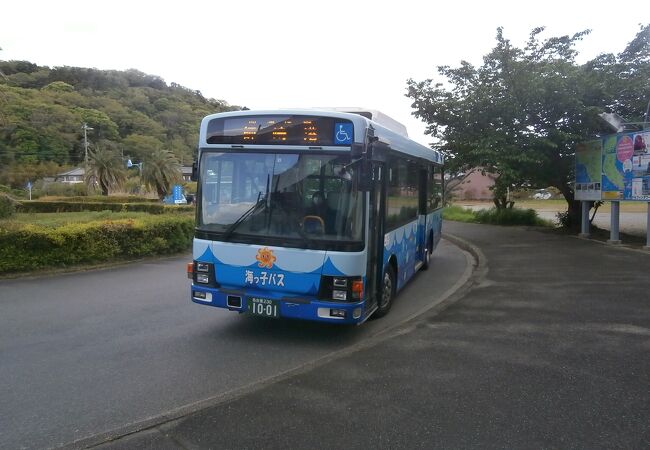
{"x":103,"y":199}
{"x":57,"y":188}
{"x":7,"y":206}
{"x":509,"y":216}
{"x":458,"y":214}
{"x":31,"y":247}
{"x":190,"y":187}
{"x":38,"y":206}
{"x":14,"y":193}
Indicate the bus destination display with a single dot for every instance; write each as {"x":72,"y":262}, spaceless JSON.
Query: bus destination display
{"x":281,"y":130}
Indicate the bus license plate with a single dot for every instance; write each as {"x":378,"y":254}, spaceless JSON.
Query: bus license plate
{"x":263,"y":307}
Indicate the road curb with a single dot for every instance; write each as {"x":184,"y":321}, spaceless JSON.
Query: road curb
{"x":474,"y":272}
{"x":477,"y":264}
{"x":621,"y":245}
{"x":469,"y":247}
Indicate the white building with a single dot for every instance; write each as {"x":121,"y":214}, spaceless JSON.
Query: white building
{"x":73,"y":176}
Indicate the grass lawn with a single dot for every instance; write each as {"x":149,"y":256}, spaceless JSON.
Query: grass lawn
{"x":555,"y":205}
{"x":515,"y":216}
{"x":57,"y":219}
{"x":458,"y":214}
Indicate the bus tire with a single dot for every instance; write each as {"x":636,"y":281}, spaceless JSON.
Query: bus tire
{"x":427,"y":259}
{"x":387,"y":293}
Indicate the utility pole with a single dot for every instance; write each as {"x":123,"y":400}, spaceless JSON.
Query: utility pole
{"x":85,"y":127}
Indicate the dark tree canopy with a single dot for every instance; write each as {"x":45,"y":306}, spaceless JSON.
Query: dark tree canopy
{"x":520,"y":114}
{"x":42,"y":110}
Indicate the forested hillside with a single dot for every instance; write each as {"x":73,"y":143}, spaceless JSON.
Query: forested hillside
{"x":42,"y":111}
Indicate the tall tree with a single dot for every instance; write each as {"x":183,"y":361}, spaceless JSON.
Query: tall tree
{"x":161,"y":171}
{"x":105,"y":168}
{"x":627,"y":77}
{"x":2,"y":74}
{"x":520,"y":114}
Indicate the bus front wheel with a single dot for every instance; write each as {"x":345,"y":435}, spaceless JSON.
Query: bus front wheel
{"x":427,"y":259}
{"x":387,"y":293}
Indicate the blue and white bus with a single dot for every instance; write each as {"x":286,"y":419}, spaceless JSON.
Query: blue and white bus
{"x":308,"y":214}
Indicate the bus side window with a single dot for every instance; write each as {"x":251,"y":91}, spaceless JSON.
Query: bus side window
{"x":402,"y":199}
{"x":392,"y":197}
{"x":437,"y":187}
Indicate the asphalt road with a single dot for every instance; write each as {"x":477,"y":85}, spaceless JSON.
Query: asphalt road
{"x":86,"y":353}
{"x":547,"y":348}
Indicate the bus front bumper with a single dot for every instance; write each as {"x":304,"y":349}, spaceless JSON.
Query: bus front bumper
{"x":303,"y":308}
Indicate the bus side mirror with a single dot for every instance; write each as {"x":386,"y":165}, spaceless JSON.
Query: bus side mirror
{"x":195,"y":172}
{"x":356,"y":151}
{"x":379,"y":151}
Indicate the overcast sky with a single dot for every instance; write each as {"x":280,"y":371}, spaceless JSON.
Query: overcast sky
{"x":281,"y":54}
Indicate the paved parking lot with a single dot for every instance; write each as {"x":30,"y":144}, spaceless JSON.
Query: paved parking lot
{"x":548,"y":349}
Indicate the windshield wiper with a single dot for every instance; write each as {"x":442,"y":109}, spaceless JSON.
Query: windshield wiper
{"x":261,"y":200}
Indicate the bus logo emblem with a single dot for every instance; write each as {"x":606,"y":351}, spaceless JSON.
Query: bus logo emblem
{"x":265,"y":258}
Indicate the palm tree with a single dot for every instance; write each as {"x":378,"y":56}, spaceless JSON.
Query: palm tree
{"x":161,"y":171}
{"x":105,"y":168}
{"x":1,"y":72}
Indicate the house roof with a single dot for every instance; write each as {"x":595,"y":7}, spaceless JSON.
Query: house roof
{"x":78,"y":171}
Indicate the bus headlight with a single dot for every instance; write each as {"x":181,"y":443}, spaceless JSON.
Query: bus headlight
{"x":340,"y":288}
{"x":202,"y":278}
{"x":204,"y":273}
{"x":202,"y":267}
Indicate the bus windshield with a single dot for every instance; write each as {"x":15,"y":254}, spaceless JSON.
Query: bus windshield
{"x":252,"y":196}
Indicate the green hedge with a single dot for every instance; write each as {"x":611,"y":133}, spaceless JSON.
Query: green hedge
{"x":103,"y":199}
{"x":509,"y":216}
{"x":37,"y":206}
{"x":7,"y":206}
{"x":31,"y":247}
{"x":15,"y":193}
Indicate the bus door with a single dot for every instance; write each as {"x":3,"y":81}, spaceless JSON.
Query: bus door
{"x":423,"y":224}
{"x":376,"y":212}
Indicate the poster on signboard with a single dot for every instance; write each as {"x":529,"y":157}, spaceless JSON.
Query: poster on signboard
{"x":588,"y":170}
{"x":640,"y":189}
{"x":626,"y":166}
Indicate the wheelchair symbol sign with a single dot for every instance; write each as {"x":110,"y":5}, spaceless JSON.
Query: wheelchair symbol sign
{"x":343,"y":133}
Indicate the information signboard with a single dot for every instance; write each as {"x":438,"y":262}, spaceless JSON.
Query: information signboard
{"x":589,"y":170}
{"x":626,"y":166}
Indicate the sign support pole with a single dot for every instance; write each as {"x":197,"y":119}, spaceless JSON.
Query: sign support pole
{"x":647,"y":230}
{"x":584,"y":229}
{"x":614,"y":222}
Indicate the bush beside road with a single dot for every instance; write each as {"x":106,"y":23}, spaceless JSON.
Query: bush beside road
{"x":60,"y":241}
{"x":38,"y":206}
{"x":493,"y":216}
{"x":632,"y":218}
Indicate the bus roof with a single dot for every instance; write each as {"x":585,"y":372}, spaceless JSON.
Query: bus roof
{"x":405,"y":145}
{"x":374,"y":115}
{"x":397,"y":142}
